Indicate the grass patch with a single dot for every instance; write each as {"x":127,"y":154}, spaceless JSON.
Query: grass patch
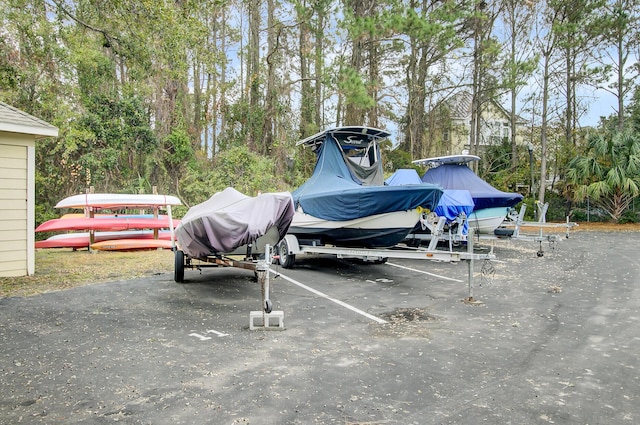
{"x":58,"y":269}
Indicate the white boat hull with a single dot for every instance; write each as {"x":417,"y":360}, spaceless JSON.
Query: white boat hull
{"x":486,"y":220}
{"x":376,"y":231}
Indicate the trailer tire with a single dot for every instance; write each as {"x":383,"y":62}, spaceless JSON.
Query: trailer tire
{"x":286,"y":260}
{"x":178,"y":273}
{"x":268,"y":306}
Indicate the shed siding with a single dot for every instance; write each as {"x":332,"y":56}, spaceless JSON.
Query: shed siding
{"x":13,"y":209}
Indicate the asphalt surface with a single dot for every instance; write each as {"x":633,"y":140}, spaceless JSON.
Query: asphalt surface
{"x":553,"y":339}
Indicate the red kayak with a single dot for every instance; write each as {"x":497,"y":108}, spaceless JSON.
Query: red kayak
{"x":81,"y":240}
{"x":107,"y":224}
{"x":131,"y":245}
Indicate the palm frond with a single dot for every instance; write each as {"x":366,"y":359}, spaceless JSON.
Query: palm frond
{"x":631,"y":187}
{"x":599,"y":189}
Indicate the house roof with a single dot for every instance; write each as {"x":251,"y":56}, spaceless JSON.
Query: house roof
{"x":460,"y":106}
{"x":14,"y":120}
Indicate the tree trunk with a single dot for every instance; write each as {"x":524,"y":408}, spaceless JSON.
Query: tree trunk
{"x":372,"y":89}
{"x":544,"y":126}
{"x":197,"y":107}
{"x":270,"y":100}
{"x":253,"y":72}
{"x":354,"y":114}
{"x":570,"y":92}
{"x":318,"y":65}
{"x":514,"y":95}
{"x":306,"y":96}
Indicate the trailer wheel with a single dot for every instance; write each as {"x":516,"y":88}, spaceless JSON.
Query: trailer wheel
{"x":286,"y":259}
{"x":178,"y":274}
{"x":268,"y":306}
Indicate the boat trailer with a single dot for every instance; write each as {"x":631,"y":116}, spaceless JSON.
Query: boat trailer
{"x":290,"y":246}
{"x":259,"y":264}
{"x":512,"y":228}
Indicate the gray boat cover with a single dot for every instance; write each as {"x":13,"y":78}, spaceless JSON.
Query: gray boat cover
{"x":230,"y":219}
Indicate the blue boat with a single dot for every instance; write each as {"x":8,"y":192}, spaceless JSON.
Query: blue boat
{"x":491,"y":205}
{"x":346,"y":203}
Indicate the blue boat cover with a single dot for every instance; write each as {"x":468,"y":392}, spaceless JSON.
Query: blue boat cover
{"x":451,"y":204}
{"x":334,"y":192}
{"x":403,"y":176}
{"x":454,"y":176}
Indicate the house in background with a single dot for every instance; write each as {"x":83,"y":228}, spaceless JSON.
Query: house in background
{"x":451,"y":126}
{"x":19,"y":132}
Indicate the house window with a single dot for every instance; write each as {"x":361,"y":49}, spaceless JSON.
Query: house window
{"x":498,"y":132}
{"x":506,"y":130}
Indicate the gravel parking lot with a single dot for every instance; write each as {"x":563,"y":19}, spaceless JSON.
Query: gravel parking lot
{"x":554,"y":339}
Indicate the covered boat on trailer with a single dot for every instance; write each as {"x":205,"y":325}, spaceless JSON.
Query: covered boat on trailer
{"x":491,"y":205}
{"x":346,"y":203}
{"x":230,"y":224}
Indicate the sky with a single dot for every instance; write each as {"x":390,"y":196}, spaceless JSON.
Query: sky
{"x":602,"y":104}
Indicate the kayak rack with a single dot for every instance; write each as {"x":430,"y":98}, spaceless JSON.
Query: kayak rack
{"x":260,"y":267}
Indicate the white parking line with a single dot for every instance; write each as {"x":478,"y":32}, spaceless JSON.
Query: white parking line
{"x":422,"y":271}
{"x":343,"y":304}
{"x":220,"y":334}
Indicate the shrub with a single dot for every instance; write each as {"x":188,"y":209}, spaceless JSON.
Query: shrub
{"x":628,"y":217}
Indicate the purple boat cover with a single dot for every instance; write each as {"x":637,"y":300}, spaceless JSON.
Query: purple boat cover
{"x":230,"y":219}
{"x":461,"y":177}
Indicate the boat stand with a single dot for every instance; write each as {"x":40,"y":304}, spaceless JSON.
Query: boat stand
{"x":262,"y":275}
{"x":261,"y":269}
{"x":512,"y":229}
{"x":439,"y":231}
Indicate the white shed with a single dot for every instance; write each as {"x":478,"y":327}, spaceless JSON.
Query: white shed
{"x":18,"y":134}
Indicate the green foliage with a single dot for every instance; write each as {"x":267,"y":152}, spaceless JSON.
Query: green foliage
{"x":8,"y":73}
{"x":395,"y":159}
{"x":629,"y":217}
{"x":633,"y":110}
{"x":559,"y":207}
{"x":109,"y":142}
{"x":117,"y":79}
{"x":608,"y":172}
{"x":496,"y":167}
{"x":244,"y":123}
{"x":354,"y":89}
{"x":589,"y":215}
{"x":247,"y":172}
{"x":179,"y":149}
{"x":236,"y":167}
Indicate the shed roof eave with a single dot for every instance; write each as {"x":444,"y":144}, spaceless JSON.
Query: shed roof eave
{"x":42,"y":132}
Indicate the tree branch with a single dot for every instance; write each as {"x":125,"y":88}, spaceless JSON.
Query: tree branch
{"x":106,"y":35}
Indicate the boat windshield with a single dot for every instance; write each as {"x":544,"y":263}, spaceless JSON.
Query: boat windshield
{"x":364,"y":156}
